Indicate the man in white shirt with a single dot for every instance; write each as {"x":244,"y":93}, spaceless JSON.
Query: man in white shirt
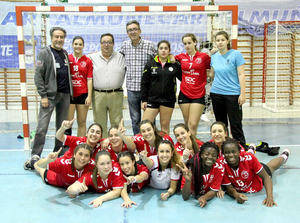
{"x":108,"y":78}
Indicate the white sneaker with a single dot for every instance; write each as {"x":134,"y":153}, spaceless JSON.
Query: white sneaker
{"x":285,"y":154}
{"x":251,"y":149}
{"x":205,"y":118}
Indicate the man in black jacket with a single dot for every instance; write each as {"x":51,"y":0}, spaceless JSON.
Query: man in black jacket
{"x":53,"y":82}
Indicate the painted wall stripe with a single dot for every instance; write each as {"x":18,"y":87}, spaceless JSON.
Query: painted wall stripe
{"x":43,"y":8}
{"x":20,"y":35}
{"x":22,"y":61}
{"x":128,"y":8}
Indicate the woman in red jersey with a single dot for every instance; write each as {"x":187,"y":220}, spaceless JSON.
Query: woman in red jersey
{"x":92,"y":138}
{"x":245,"y":174}
{"x":136,"y":175}
{"x":187,"y":144}
{"x":81,"y":68}
{"x":148,"y":138}
{"x":115,"y":143}
{"x":63,"y":172}
{"x":204,"y":178}
{"x":219,"y":133}
{"x":106,"y":178}
{"x":194,"y":65}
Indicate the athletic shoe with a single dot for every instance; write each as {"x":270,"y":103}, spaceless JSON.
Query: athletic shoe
{"x":251,"y":149}
{"x":273,"y":151}
{"x":285,"y":154}
{"x":33,"y":160}
{"x":263,"y":147}
{"x":27,"y":165}
{"x":205,"y":118}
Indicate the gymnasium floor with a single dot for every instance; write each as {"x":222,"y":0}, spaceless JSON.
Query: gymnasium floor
{"x":25,"y":198}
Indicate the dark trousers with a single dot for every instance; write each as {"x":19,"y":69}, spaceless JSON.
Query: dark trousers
{"x":227,"y":107}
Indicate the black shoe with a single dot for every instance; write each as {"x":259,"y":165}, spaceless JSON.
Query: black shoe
{"x":33,"y":160}
{"x":263,"y":147}
{"x":29,"y":164}
{"x":273,"y":151}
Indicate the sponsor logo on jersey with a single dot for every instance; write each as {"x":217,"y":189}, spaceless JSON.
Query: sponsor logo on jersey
{"x":198,"y":60}
{"x":244,"y":174}
{"x":171,"y":69}
{"x":83,"y":64}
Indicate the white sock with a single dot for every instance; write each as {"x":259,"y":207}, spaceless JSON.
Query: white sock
{"x":285,"y":157}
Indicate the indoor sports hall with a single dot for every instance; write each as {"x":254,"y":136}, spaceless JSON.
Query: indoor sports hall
{"x":268,"y":36}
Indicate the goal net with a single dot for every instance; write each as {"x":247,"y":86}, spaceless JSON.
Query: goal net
{"x":281,"y":69}
{"x":157,"y":23}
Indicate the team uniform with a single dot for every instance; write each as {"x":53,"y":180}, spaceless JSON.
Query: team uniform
{"x":220,"y":151}
{"x":113,"y":154}
{"x":136,"y":187}
{"x":211,"y":181}
{"x":115,"y":180}
{"x":158,"y":86}
{"x":193,"y":75}
{"x":140,"y":142}
{"x":60,"y":173}
{"x":73,"y":141}
{"x":245,"y":178}
{"x":81,"y":70}
{"x":161,"y":179}
{"x":179,"y":148}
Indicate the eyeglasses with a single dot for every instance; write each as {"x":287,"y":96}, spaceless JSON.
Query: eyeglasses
{"x":132,"y":30}
{"x":107,"y":43}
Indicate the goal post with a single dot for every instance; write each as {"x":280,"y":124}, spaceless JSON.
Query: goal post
{"x":281,"y":83}
{"x":157,"y":22}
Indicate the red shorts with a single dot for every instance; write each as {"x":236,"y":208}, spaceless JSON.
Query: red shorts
{"x":53,"y":178}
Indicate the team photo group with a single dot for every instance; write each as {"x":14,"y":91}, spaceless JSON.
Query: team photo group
{"x":104,"y":159}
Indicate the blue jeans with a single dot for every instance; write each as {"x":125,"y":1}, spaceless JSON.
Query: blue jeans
{"x":134,"y":103}
{"x":61,"y":104}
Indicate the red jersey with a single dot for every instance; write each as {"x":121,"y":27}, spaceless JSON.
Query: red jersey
{"x":136,"y":187}
{"x":113,"y":154}
{"x":193,"y":74}
{"x":245,"y":178}
{"x":60,"y":172}
{"x":73,"y":141}
{"x":139,"y":142}
{"x":212,"y":180}
{"x":115,"y":180}
{"x":179,"y":148}
{"x":81,"y":70}
{"x":220,"y":150}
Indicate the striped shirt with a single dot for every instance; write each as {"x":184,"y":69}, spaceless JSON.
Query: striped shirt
{"x":136,"y":58}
